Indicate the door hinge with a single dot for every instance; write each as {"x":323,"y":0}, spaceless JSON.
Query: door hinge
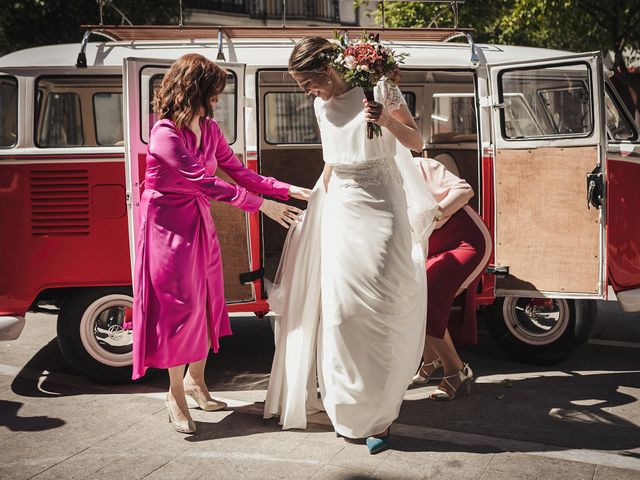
{"x":498,"y":271}
{"x":595,"y":188}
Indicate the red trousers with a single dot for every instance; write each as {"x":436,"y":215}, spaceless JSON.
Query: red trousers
{"x":458,"y":253}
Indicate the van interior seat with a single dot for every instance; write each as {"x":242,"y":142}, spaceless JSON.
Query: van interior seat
{"x":449,"y":163}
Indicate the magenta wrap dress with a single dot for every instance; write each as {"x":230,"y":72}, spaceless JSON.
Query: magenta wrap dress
{"x":178,"y":267}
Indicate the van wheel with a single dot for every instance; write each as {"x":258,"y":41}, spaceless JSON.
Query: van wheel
{"x":94,"y":333}
{"x":541,"y":331}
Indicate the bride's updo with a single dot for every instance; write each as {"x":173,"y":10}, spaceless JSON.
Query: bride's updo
{"x":311,"y":54}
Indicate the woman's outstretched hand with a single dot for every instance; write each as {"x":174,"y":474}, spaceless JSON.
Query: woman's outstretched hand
{"x":285,"y":215}
{"x":299,"y":193}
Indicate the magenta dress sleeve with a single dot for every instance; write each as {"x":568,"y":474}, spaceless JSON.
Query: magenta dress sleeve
{"x":242,"y":175}
{"x":167,"y":146}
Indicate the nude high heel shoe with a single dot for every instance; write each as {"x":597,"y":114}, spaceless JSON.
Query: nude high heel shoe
{"x":422,"y":376}
{"x":208,"y":405}
{"x":464,"y":376}
{"x":180,"y":426}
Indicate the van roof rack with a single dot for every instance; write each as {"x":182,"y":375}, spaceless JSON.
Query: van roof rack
{"x":192,"y":32}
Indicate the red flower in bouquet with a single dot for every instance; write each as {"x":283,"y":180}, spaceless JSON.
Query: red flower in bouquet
{"x":364,"y":63}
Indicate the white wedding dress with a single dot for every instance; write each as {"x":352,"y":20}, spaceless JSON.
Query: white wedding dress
{"x":351,"y":287}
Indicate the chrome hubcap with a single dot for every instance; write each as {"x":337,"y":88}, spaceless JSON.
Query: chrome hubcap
{"x":536,"y":321}
{"x":105,"y":330}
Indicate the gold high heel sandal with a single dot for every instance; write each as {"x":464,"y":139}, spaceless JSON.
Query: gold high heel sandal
{"x":464,"y":376}
{"x":422,"y":376}
{"x":180,"y":426}
{"x":206,"y":404}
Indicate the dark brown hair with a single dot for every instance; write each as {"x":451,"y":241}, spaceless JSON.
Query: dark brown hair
{"x":187,"y":87}
{"x":311,"y":54}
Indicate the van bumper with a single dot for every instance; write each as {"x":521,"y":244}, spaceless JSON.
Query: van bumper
{"x":11,"y":327}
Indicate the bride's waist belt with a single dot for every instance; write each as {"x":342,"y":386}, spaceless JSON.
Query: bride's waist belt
{"x":372,"y":172}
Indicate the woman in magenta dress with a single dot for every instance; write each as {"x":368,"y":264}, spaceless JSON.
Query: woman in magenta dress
{"x":179,"y":304}
{"x":459,"y":249}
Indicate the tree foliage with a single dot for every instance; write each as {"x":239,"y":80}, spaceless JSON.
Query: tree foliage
{"x":576,"y":25}
{"x":29,"y":23}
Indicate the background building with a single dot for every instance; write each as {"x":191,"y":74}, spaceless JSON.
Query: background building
{"x":269,"y":12}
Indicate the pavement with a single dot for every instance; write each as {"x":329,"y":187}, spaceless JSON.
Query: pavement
{"x":575,"y":420}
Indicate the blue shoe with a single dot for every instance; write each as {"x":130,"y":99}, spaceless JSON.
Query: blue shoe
{"x":378,"y":444}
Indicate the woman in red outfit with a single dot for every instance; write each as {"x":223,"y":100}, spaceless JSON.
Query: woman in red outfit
{"x":459,"y":249}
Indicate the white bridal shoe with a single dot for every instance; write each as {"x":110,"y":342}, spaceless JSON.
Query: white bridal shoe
{"x":464,"y":376}
{"x":422,"y":376}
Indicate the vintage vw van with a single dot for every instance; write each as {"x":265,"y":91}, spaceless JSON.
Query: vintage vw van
{"x":541,"y":136}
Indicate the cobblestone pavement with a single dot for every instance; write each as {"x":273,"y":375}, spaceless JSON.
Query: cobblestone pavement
{"x":576,"y":420}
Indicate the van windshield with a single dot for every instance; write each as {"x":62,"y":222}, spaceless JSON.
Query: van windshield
{"x":8,"y":112}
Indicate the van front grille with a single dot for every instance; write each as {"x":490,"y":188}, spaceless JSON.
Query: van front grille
{"x":59,"y":202}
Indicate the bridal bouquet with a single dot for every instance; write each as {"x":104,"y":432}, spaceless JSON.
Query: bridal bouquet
{"x":364,"y":63}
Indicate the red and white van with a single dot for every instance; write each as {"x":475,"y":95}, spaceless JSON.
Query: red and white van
{"x":541,"y":136}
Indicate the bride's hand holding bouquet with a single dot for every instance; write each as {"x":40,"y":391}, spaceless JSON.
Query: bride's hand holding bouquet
{"x":364,"y":63}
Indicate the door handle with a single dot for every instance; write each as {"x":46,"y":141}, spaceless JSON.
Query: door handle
{"x":595,"y":187}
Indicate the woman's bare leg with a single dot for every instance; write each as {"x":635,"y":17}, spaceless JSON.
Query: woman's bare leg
{"x":428,"y":356}
{"x":194,"y":379}
{"x":175,"y":398}
{"x":444,"y":348}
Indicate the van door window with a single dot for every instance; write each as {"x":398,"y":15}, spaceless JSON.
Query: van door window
{"x":107,"y":108}
{"x":224,"y":112}
{"x":8,"y":112}
{"x":290,"y":119}
{"x":453,"y":118}
{"x":541,"y":102}
{"x":78,"y":111}
{"x":618,"y":125}
{"x":410,"y":98}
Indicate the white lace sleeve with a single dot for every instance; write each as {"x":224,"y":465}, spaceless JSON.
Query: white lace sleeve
{"x":393,"y":98}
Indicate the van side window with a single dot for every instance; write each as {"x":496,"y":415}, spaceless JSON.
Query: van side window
{"x":61,"y":121}
{"x":289,"y":118}
{"x":618,"y":126}
{"x":107,"y":108}
{"x":224,"y":112}
{"x":410,"y":98}
{"x":78,"y":111}
{"x":540,"y":102}
{"x":453,"y":118}
{"x":8,"y":112}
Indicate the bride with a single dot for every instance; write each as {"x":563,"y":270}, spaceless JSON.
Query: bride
{"x":350,"y":289}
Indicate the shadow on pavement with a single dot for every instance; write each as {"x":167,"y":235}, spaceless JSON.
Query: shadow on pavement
{"x":10,"y":418}
{"x":585,"y":402}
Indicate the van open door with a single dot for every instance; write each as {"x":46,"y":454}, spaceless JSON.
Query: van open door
{"x":549,"y":139}
{"x":623,"y":202}
{"x":141,"y":78}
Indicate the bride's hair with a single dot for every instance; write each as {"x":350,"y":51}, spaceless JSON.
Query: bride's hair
{"x":311,"y":55}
